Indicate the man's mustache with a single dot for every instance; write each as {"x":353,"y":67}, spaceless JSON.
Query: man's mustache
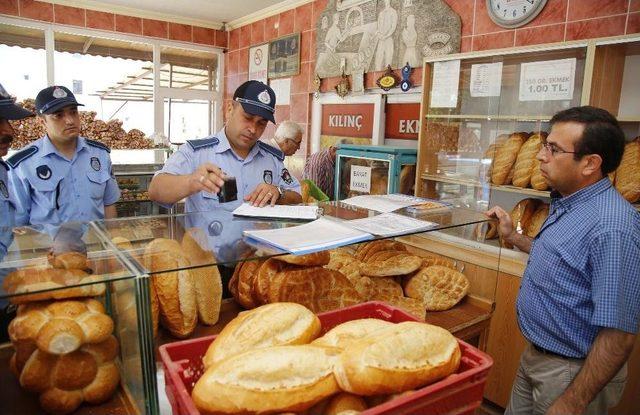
{"x":6,"y":139}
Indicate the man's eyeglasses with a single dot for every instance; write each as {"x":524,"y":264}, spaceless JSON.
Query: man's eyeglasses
{"x":553,"y":149}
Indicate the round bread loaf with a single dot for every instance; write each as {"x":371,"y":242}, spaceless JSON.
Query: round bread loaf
{"x":268,"y":325}
{"x":405,"y":356}
{"x":269,"y":380}
{"x":344,"y":403}
{"x":440,"y":288}
{"x":342,"y":335}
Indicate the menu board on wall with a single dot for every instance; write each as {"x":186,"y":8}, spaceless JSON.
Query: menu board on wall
{"x":547,"y":80}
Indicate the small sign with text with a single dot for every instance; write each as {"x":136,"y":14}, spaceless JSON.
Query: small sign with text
{"x":360,"y":179}
{"x":547,"y":80}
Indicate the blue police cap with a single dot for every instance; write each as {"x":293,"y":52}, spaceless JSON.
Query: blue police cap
{"x":256,"y":98}
{"x":54,"y":98}
{"x":9,"y":110}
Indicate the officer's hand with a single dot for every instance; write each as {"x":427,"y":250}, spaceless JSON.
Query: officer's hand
{"x":207,"y":177}
{"x":505,"y":225}
{"x":263,"y":194}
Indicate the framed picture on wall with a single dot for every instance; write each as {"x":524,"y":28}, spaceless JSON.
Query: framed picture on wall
{"x":258,"y":59}
{"x":284,"y":56}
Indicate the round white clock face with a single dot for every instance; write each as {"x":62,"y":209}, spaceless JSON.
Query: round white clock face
{"x":514,"y":13}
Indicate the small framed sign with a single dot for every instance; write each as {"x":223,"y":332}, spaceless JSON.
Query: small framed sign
{"x":284,"y":56}
{"x":258,"y":60}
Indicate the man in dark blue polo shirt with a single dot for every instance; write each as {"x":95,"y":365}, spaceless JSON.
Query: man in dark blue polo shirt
{"x":579,"y":301}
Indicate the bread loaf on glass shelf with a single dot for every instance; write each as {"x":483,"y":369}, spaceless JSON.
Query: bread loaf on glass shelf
{"x":506,"y":156}
{"x":627,"y":179}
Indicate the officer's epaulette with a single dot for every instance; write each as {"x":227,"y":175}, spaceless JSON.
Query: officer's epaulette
{"x":3,"y":164}
{"x":202,"y":143}
{"x":97,"y":144}
{"x":21,"y":156}
{"x":269,"y":149}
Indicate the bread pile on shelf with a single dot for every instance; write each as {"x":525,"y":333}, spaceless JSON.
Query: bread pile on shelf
{"x":452,"y":138}
{"x":109,"y":133}
{"x":65,"y":351}
{"x":192,"y":293}
{"x":272,"y":360}
{"x":380,"y":270}
{"x":514,"y":160}
{"x":527,"y":217}
{"x":627,"y":177}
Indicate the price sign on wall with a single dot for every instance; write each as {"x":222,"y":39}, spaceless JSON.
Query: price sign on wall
{"x":360,"y":179}
{"x":547,"y":80}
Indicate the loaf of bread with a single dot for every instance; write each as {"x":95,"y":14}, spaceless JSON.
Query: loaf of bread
{"x":175,"y":289}
{"x":313,"y":259}
{"x":319,"y":289}
{"x":525,"y":162}
{"x":64,"y":382}
{"x":402,"y":357}
{"x":38,"y":279}
{"x":522,"y":213}
{"x":344,"y":404}
{"x":389,"y":263}
{"x":342,"y":335}
{"x":61,"y":327}
{"x":628,"y":173}
{"x":266,"y":272}
{"x":380,"y":245}
{"x":207,"y":280}
{"x":268,"y":380}
{"x":537,"y":180}
{"x":246,"y":277}
{"x":506,"y":156}
{"x":438,"y":287}
{"x":68,"y":260}
{"x":537,"y":220}
{"x":486,"y":230}
{"x":275,"y":324}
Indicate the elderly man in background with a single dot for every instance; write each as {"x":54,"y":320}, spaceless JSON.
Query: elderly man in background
{"x":320,"y":168}
{"x":288,"y":137}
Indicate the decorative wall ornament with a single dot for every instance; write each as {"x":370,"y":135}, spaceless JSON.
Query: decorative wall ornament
{"x":372,"y":34}
{"x":388,"y":80}
{"x":317,"y":82}
{"x":406,"y":84}
{"x":343,"y":87}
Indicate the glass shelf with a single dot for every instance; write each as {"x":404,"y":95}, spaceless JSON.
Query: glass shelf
{"x":475,"y":183}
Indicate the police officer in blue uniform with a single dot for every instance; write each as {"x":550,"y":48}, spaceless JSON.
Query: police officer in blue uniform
{"x":62,"y":177}
{"x":8,"y":111}
{"x":198,"y":169}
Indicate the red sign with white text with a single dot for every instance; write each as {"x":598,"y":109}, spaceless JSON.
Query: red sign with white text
{"x":347,"y":120}
{"x":402,"y":121}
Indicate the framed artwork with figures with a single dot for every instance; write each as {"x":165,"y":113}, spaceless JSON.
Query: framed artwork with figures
{"x":284,"y":56}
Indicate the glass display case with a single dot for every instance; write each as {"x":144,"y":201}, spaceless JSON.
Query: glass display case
{"x":133,"y":181}
{"x":375,"y":170}
{"x":131,"y":263}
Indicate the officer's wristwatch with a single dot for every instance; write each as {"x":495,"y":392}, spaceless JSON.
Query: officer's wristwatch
{"x":280,"y":192}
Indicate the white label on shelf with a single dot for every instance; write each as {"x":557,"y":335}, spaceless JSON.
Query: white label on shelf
{"x":444,"y":89}
{"x":360,"y":179}
{"x":547,"y":80}
{"x":486,"y":79}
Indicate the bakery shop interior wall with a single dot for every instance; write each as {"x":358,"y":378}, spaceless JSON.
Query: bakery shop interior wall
{"x":560,"y":20}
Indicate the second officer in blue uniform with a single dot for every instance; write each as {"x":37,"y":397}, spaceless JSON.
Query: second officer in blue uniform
{"x":62,"y":177}
{"x":197,"y":170}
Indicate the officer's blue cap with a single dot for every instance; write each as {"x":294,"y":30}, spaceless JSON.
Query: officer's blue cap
{"x":257,"y":98}
{"x":9,"y":110}
{"x":54,"y":98}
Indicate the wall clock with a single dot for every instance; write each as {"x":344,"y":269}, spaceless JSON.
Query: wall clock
{"x":514,"y":13}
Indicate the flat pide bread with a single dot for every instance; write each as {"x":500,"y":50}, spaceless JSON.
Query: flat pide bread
{"x":440,"y":288}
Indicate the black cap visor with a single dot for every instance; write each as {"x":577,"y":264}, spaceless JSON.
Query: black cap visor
{"x":256,"y":110}
{"x":58,"y":104}
{"x":14,"y":112}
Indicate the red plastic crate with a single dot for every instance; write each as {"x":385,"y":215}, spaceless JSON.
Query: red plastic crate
{"x":459,"y":393}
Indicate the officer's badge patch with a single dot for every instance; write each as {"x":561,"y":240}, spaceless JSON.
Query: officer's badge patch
{"x":264,"y":97}
{"x":267,"y":176}
{"x":95,"y":163}
{"x":59,"y":93}
{"x":4,"y":190}
{"x":286,"y":176}
{"x":43,"y":172}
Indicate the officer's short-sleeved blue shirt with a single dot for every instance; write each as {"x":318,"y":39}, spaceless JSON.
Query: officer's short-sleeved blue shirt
{"x":7,"y":210}
{"x":263,"y":164}
{"x":51,"y":189}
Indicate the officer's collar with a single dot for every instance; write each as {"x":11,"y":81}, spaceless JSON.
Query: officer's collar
{"x":49,"y":148}
{"x":225,"y":146}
